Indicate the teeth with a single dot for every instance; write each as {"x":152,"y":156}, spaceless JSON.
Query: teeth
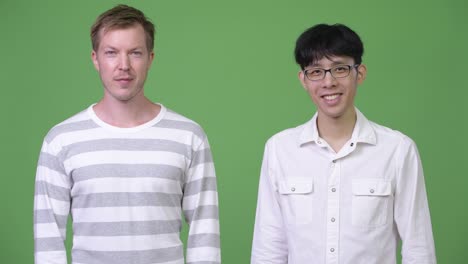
{"x":331,"y":97}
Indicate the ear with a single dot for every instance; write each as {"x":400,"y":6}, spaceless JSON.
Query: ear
{"x":362,"y":73}
{"x":301,"y":77}
{"x":151,"y":58}
{"x":95,"y":60}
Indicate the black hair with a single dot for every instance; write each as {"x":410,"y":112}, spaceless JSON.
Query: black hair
{"x":324,"y":40}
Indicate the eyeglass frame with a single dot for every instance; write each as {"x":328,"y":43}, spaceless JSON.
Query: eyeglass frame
{"x":330,"y":71}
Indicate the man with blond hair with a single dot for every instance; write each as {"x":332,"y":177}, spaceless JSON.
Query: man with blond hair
{"x":126,"y":169}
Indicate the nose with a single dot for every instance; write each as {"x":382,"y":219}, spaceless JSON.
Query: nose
{"x":124,"y":63}
{"x":328,"y":81}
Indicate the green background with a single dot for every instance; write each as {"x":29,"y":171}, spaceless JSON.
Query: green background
{"x":229,"y":66}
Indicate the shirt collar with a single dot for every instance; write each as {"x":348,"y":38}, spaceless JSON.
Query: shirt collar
{"x":310,"y":131}
{"x":362,"y":132}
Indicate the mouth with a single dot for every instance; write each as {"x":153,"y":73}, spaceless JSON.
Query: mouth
{"x":123,"y":80}
{"x":331,"y":97}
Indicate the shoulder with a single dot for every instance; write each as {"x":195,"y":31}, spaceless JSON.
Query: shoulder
{"x":79,"y":121}
{"x":391,"y":136}
{"x":174,"y":120}
{"x":287,"y":136}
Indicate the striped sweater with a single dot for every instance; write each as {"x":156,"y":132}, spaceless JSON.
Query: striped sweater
{"x":127,"y":190}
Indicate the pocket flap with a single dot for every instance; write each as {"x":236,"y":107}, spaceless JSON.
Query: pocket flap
{"x":296,"y":186}
{"x":372,"y":187}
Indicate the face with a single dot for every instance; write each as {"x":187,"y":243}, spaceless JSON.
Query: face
{"x":123,"y":61}
{"x":334,"y":97}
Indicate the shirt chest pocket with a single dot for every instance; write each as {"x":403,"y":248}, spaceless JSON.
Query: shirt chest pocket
{"x":371,"y":204}
{"x":297,"y":199}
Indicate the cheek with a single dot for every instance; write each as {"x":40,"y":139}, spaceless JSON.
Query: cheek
{"x":104,"y":70}
{"x":142,"y":69}
{"x":312,"y":94}
{"x":103,"y":67}
{"x":311,"y":91}
{"x":351,"y":96}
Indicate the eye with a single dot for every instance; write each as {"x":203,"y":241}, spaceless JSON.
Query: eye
{"x":136,"y":53}
{"x":341,"y":69}
{"x":110,"y":53}
{"x":315,"y":72}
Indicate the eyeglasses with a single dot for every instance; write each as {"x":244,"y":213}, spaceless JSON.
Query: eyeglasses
{"x":338,"y":71}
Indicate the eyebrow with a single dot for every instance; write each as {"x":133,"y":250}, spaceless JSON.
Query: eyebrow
{"x":334,"y":63}
{"x":132,"y":49}
{"x":109,"y":47}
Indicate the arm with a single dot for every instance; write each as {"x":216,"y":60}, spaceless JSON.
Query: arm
{"x":411,"y":209}
{"x":269,"y":242}
{"x":51,"y":209}
{"x":200,"y":206}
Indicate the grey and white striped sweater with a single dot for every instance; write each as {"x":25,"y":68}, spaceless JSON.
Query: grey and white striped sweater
{"x":127,"y":190}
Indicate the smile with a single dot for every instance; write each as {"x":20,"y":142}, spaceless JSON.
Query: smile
{"x":331,"y":96}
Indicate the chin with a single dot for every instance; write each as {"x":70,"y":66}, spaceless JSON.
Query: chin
{"x":333,"y":114}
{"x":339,"y":113}
{"x":123,"y":97}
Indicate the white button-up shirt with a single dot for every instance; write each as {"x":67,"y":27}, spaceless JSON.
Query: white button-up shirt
{"x":351,"y":207}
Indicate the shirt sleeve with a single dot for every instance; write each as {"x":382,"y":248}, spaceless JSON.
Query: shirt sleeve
{"x":411,"y":209}
{"x":269,"y":241}
{"x":51,"y":209}
{"x":200,"y":207}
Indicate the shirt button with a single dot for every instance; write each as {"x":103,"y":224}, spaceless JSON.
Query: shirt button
{"x":333,"y":190}
{"x":332,"y":250}
{"x":334,"y":161}
{"x":352,"y":144}
{"x":332,"y":219}
{"x":371,"y":190}
{"x":293,"y":189}
{"x":320,"y":142}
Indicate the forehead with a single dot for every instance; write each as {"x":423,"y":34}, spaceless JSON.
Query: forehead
{"x":129,"y":36}
{"x":328,"y":61}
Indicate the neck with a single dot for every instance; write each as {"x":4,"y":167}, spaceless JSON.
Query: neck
{"x":336,"y":131}
{"x":126,"y":114}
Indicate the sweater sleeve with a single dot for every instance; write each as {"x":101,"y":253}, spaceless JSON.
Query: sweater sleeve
{"x":200,"y":207}
{"x":51,"y":209}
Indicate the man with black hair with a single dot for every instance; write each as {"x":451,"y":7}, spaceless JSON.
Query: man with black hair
{"x":340,"y":188}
